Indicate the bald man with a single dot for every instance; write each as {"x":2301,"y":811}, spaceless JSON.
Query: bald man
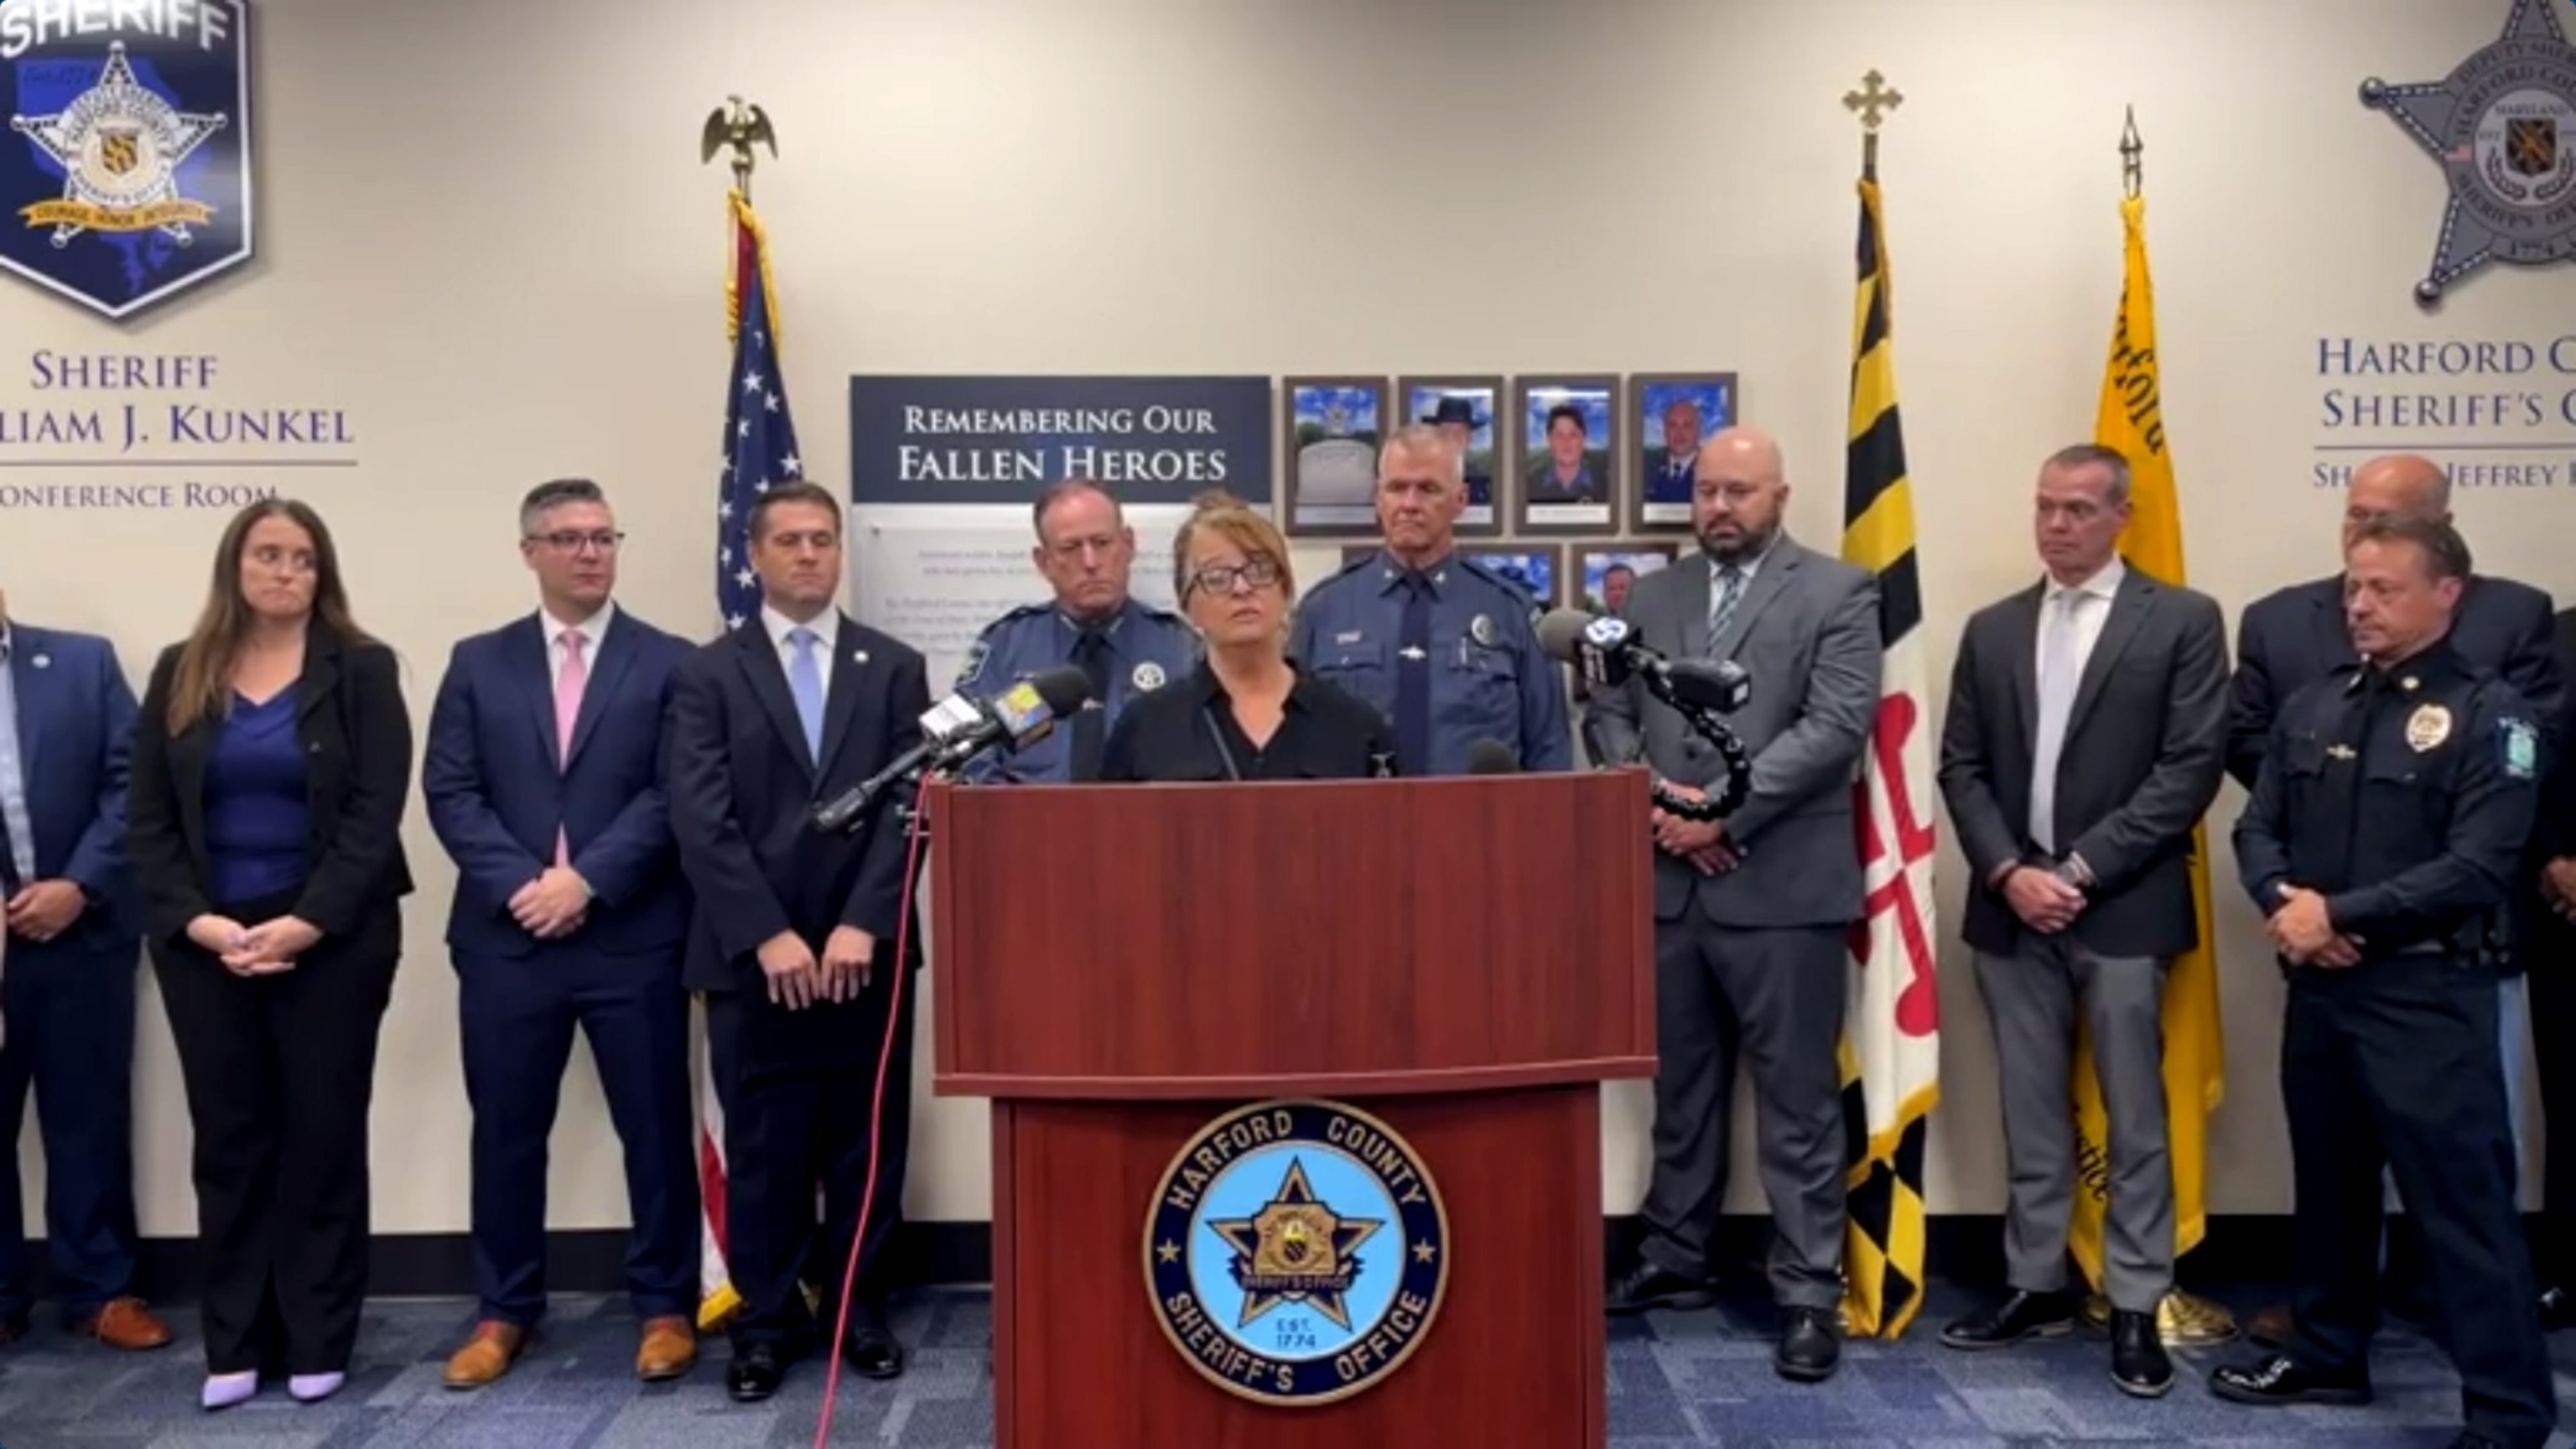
{"x":1751,"y":911}
{"x":2292,"y":637}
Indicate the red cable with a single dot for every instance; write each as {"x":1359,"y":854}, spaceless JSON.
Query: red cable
{"x":876,"y":1107}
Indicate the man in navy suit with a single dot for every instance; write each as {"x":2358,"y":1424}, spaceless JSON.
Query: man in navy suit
{"x":544,"y":782}
{"x":798,"y":938}
{"x":67,"y":996}
{"x":2295,"y":635}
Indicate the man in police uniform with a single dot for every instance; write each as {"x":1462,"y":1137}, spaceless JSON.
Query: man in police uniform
{"x":2384,"y":837}
{"x":1444,"y":649}
{"x":1085,"y":551}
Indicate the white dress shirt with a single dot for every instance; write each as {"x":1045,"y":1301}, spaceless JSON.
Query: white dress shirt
{"x":2089,"y":609}
{"x":592,"y":630}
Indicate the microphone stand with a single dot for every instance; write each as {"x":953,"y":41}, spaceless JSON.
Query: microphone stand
{"x":1704,"y":722}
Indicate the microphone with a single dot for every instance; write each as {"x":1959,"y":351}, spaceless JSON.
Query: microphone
{"x":957,"y":729}
{"x":1492,"y":757}
{"x":1608,"y":651}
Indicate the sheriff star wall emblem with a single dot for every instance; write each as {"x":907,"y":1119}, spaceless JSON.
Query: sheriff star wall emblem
{"x":2503,"y":126}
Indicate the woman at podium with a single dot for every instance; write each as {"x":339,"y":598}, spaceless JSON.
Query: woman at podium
{"x":1247,"y":712}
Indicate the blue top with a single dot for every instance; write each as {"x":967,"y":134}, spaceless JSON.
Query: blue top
{"x":1488,"y":677}
{"x":1146,"y":649}
{"x":255,"y":812}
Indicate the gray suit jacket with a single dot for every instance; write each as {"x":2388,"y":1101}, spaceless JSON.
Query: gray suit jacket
{"x":1808,"y":633}
{"x":2146,"y":746}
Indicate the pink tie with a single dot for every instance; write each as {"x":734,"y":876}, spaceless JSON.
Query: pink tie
{"x":569,"y":683}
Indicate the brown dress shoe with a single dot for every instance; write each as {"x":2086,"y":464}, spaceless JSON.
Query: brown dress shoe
{"x":487,"y":1355}
{"x":124,"y":1323}
{"x":2270,"y":1328}
{"x":668,"y":1350}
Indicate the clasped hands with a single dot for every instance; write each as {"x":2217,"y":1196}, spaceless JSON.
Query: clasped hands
{"x":2304,"y":934}
{"x":797,"y":980}
{"x":1702,"y":843}
{"x":44,"y":909}
{"x":2558,"y":888}
{"x":262,"y":950}
{"x":553,"y":905}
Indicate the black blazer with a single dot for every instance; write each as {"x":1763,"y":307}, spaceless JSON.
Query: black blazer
{"x":2297,"y":635}
{"x":2553,"y":835}
{"x":2144,"y":753}
{"x":742,"y":787}
{"x":356,"y":732}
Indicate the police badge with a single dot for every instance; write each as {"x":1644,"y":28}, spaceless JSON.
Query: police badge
{"x":134,"y":183}
{"x":2503,"y":126}
{"x":1147,"y":676}
{"x":2427,"y":727}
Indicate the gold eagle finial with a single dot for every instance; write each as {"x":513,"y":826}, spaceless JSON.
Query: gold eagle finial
{"x":741,"y":128}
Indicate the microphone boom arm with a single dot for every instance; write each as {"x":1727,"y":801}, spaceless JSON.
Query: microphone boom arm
{"x":1705,"y":723}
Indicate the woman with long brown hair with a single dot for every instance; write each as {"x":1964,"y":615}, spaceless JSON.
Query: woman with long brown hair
{"x":272,"y":760}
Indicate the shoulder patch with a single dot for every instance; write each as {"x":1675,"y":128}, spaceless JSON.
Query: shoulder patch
{"x":2518,"y":743}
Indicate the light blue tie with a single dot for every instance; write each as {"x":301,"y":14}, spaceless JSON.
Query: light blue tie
{"x":805,"y":680}
{"x":2059,"y":672}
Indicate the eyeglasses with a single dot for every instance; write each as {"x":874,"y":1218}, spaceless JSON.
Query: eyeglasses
{"x":570,"y":541}
{"x":1260,"y":573}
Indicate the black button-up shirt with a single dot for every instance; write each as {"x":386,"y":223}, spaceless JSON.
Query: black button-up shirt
{"x":1188,"y":732}
{"x":2402,"y":794}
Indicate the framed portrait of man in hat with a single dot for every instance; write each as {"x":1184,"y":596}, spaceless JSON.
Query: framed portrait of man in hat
{"x":1675,"y":411}
{"x":1570,"y":453}
{"x":1465,"y":408}
{"x":1334,"y":427}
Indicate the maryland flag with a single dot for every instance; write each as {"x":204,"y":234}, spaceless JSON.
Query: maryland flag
{"x":2132,"y":420}
{"x":1891,"y":1046}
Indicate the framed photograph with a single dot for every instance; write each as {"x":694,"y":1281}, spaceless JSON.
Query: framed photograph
{"x":1569,"y":454}
{"x":1538,"y":568}
{"x":1469,"y":409}
{"x":1356,"y":552}
{"x":1333,"y":426}
{"x":1675,"y":410}
{"x":1602,"y":575}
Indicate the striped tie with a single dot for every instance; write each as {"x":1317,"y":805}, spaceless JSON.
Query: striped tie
{"x":1721,"y":611}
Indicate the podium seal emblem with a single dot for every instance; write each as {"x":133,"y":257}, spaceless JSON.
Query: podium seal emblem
{"x":1296,"y":1252}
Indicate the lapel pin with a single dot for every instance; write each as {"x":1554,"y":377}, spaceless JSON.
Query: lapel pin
{"x":858,"y":656}
{"x":42,"y":661}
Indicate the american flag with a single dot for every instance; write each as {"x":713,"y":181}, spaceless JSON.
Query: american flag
{"x":759,"y":451}
{"x":759,"y":436}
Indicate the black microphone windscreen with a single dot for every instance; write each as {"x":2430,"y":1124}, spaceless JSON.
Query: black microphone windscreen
{"x":1560,"y":633}
{"x":1064,"y":689}
{"x":1492,"y":757}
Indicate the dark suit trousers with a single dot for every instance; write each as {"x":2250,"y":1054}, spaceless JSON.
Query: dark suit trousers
{"x":2552,"y":984}
{"x":69,"y":1008}
{"x":2393,"y":1064}
{"x":516,"y":1016}
{"x":280,"y":1072}
{"x":1775,"y":997}
{"x":800,"y":1122}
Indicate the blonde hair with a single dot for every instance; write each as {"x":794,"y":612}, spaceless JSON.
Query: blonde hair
{"x":1231,"y":519}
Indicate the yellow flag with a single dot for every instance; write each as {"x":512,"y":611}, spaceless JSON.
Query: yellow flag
{"x":2132,"y":420}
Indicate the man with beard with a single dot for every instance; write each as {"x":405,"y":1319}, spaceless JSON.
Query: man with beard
{"x":1752,"y":911}
{"x":1443,"y":648}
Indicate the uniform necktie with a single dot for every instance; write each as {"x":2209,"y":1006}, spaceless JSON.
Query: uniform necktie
{"x":2059,"y":671}
{"x":1091,"y":723}
{"x":570,"y":681}
{"x":1721,"y":610}
{"x":1413,"y":679}
{"x":805,"y":681}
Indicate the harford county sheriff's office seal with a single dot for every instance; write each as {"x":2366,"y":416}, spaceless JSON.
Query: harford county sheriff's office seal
{"x":128,"y":180}
{"x":1296,"y":1252}
{"x":2504,"y":128}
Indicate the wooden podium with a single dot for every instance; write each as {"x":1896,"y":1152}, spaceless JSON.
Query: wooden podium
{"x":1462,"y":960}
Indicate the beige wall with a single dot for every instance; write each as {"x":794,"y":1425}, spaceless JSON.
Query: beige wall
{"x":486,"y":234}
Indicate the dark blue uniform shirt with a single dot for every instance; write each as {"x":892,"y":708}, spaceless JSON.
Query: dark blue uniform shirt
{"x":2404,"y":796}
{"x":1143,"y":649}
{"x":1477,"y":663}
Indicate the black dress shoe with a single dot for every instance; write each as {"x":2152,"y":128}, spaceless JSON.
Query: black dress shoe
{"x":754,"y":1374}
{"x":1647,"y":1284}
{"x":2274,"y":1379}
{"x":2557,"y":1310}
{"x":871,"y":1349}
{"x":2139,"y":1364}
{"x":1808,"y":1347}
{"x":2023,"y":1315}
{"x":12,"y":1330}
